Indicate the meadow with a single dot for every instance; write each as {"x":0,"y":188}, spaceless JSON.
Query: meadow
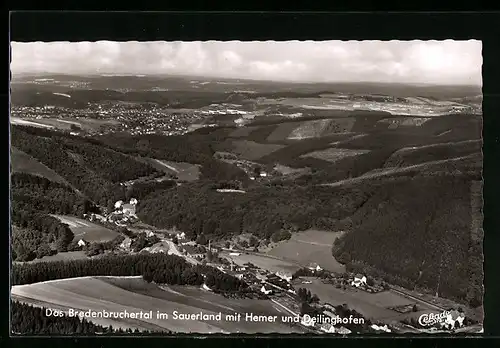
{"x":134,"y":295}
{"x":373,"y":306}
{"x":311,"y":246}
{"x":83,"y":229}
{"x":23,"y":163}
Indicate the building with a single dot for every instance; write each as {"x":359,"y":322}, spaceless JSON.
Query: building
{"x":128,"y":209}
{"x":265,"y":291}
{"x":285,"y":276}
{"x":381,"y":328}
{"x":133,"y":201}
{"x":315,"y":267}
{"x":328,"y":328}
{"x":81,"y":243}
{"x":358,"y":280}
{"x":343,"y":331}
{"x":118,"y":204}
{"x":181,"y":236}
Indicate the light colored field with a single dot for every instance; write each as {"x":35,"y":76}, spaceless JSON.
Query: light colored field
{"x":272,"y":263}
{"x":24,"y":163}
{"x":23,"y":122}
{"x":251,"y":150}
{"x":134,"y":295}
{"x":334,"y":154}
{"x":183,"y":171}
{"x":308,"y":247}
{"x":317,"y":128}
{"x":374,"y":306}
{"x":405,"y":121}
{"x":87,"y":230}
{"x":64,"y":256}
{"x":285,"y":170}
{"x":65,"y":124}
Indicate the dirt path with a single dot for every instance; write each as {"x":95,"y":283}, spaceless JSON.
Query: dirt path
{"x":392,"y":171}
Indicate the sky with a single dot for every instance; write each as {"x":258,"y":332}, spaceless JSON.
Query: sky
{"x":445,"y":62}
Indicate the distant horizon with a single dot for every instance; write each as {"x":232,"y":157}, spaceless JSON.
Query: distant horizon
{"x":445,"y":62}
{"x":415,"y":84}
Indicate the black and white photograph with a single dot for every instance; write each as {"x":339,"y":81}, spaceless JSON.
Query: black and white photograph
{"x":246,"y":187}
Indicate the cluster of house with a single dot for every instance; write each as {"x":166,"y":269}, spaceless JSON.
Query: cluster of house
{"x":328,"y":311}
{"x":123,"y":213}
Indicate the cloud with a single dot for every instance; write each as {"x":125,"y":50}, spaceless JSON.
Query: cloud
{"x":436,"y":62}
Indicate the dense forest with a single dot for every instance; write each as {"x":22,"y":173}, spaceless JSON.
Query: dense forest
{"x":428,"y":237}
{"x":261,"y":211}
{"x":55,"y":156}
{"x":158,"y":268}
{"x":110,"y":165}
{"x":35,"y":233}
{"x":31,"y":320}
{"x":31,"y":192}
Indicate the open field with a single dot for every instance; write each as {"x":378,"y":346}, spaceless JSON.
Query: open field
{"x":65,"y":124}
{"x":311,"y":246}
{"x":271,"y":263}
{"x":374,"y":306}
{"x":250,"y":150}
{"x":334,"y":154}
{"x":285,"y":170}
{"x":24,"y":163}
{"x":63,"y":256}
{"x":87,"y":230}
{"x":23,"y":122}
{"x":318,"y":128}
{"x":135,"y":295}
{"x":183,"y":171}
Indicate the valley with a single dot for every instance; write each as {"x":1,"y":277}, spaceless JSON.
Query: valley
{"x":377,"y":181}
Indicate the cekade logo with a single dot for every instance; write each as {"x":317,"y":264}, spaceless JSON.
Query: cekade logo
{"x":430,"y":319}
{"x":444,"y":318}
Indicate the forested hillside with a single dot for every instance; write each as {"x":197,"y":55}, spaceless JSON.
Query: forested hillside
{"x":420,"y":242}
{"x":35,"y":233}
{"x":262,"y":211}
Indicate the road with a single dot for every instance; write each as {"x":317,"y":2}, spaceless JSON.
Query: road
{"x":392,"y":171}
{"x":418,"y":299}
{"x":172,"y":250}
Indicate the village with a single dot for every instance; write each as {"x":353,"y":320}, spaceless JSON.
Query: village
{"x":285,"y":289}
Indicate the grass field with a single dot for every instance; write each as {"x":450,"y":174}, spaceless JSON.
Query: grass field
{"x":134,"y":295}
{"x":63,"y":256}
{"x":183,"y":171}
{"x":374,"y":306}
{"x":24,"y":163}
{"x":318,"y":128}
{"x":65,"y":124}
{"x":250,"y":150}
{"x":334,"y":154}
{"x":87,"y":230}
{"x":310,"y":246}
{"x":272,"y":263}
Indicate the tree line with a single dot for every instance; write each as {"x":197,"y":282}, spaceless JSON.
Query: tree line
{"x":35,"y":235}
{"x":30,"y":320}
{"x":158,"y":268}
